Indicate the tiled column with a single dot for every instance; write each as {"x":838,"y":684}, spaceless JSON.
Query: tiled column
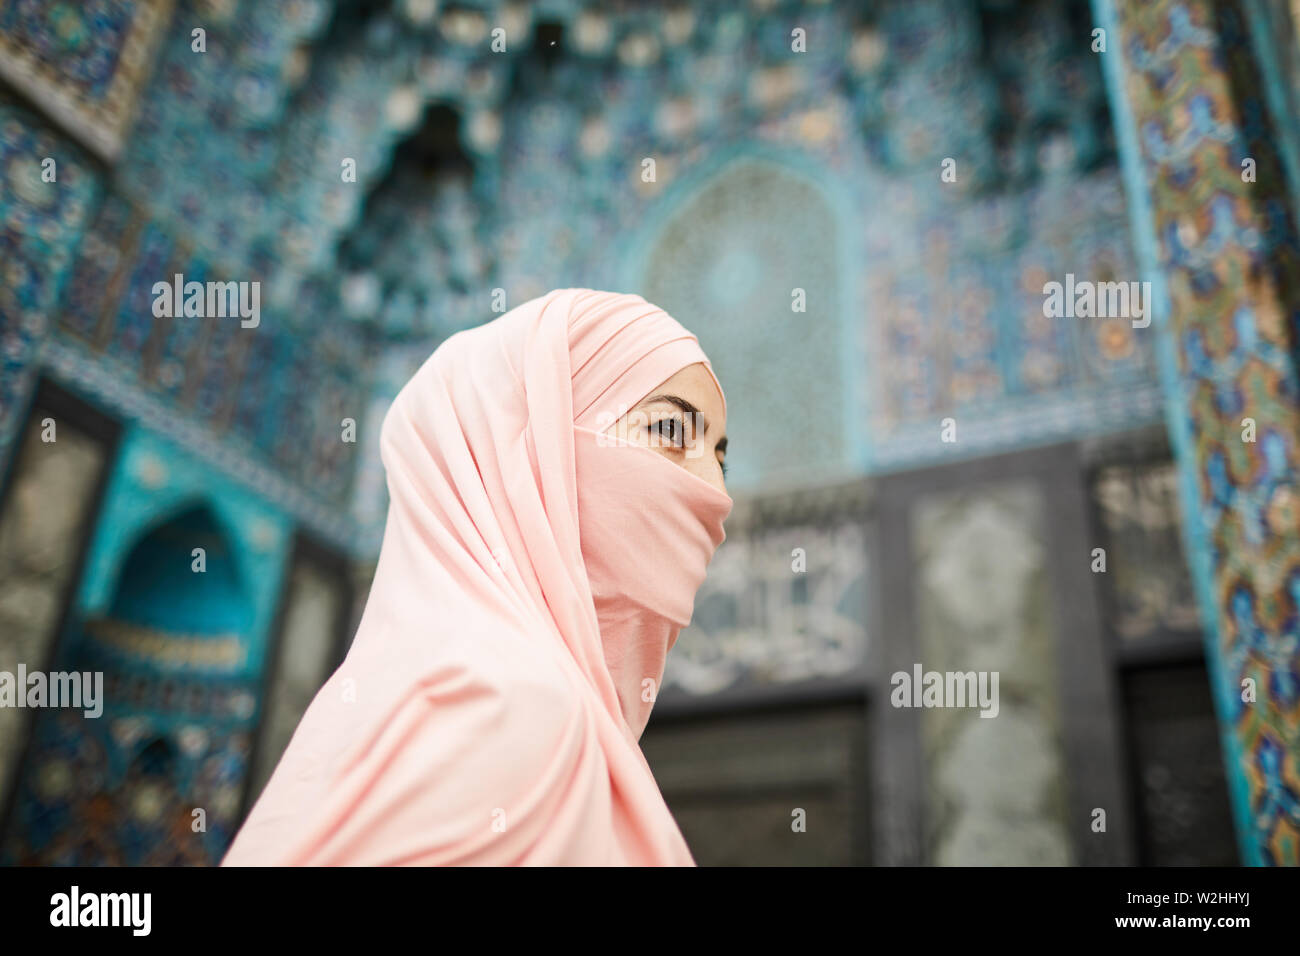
{"x":1217,"y":239}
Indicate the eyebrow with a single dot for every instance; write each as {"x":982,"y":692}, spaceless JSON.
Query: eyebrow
{"x":689,"y":409}
{"x":681,"y":403}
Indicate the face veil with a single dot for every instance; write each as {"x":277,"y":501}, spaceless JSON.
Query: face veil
{"x":534,"y":574}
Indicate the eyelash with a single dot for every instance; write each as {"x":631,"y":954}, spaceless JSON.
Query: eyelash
{"x":680,"y":429}
{"x":680,"y":440}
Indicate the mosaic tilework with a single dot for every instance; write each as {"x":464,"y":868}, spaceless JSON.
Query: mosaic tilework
{"x":258,"y":391}
{"x":1229,"y":256}
{"x":1275,"y":29}
{"x":40,"y":225}
{"x":83,"y":62}
{"x":945,"y":281}
{"x":182,"y":675}
{"x":146,"y":779}
{"x":233,"y":171}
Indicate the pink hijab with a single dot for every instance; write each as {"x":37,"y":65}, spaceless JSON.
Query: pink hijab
{"x":532,"y":578}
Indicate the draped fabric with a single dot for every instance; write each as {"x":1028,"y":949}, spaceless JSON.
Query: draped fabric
{"x":533,"y":576}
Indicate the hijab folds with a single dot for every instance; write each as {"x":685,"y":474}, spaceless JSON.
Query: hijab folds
{"x":533,"y":575}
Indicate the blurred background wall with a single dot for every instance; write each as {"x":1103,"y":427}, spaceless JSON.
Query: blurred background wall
{"x":856,"y":207}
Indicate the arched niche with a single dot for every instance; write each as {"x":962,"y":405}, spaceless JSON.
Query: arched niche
{"x":752,"y":255}
{"x":180,"y":607}
{"x":160,"y":587}
{"x":154,"y":483}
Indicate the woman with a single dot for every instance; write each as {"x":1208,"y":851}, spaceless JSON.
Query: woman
{"x":556,"y":493}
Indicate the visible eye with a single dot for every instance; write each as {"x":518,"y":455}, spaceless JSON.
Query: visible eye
{"x":671,"y":429}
